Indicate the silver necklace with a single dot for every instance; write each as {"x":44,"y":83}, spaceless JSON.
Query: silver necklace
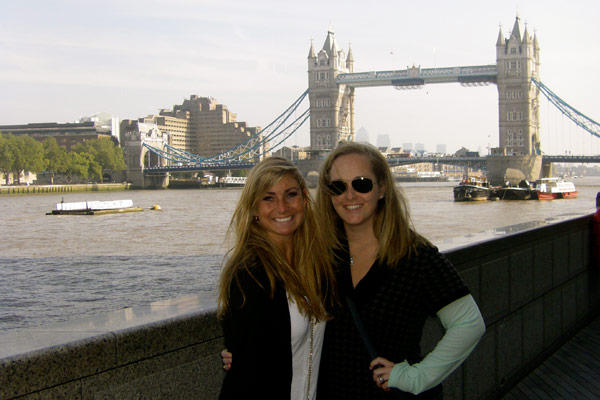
{"x":310,"y":357}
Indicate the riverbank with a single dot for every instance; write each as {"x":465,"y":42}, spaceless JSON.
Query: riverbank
{"x":88,"y":187}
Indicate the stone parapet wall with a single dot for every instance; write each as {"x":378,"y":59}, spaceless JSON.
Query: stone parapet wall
{"x":535,"y":289}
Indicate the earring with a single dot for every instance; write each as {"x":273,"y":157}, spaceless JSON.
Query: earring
{"x":256,"y":218}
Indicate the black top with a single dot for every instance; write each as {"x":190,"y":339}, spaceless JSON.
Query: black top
{"x":259,"y":336}
{"x":393,"y":304}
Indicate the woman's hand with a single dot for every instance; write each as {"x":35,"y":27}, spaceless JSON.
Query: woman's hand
{"x":381,"y":368}
{"x":226,"y":359}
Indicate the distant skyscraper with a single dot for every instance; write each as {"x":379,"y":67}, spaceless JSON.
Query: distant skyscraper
{"x":383,"y":140}
{"x":362,"y":135}
{"x":441,"y":148}
{"x":407,"y":147}
{"x":419,"y":147}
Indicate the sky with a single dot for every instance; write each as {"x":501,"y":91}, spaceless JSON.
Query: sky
{"x":65,"y":59}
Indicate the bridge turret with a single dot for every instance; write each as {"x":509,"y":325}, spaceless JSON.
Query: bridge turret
{"x":516,"y":31}
{"x":331,"y":106}
{"x":517,"y":60}
{"x":501,"y":42}
{"x":311,"y":53}
{"x":350,"y":60}
{"x":334,"y":54}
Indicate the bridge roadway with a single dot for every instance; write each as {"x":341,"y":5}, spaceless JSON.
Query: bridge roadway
{"x":416,"y":76}
{"x":392,"y":161}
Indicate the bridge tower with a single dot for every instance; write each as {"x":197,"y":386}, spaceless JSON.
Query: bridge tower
{"x":137,"y":157}
{"x":331,"y":105}
{"x":517,"y":61}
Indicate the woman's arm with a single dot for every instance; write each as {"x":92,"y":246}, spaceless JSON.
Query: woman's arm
{"x":464,"y":327}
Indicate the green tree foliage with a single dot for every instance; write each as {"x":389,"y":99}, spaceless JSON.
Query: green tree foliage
{"x":76,"y":164}
{"x":88,"y":159}
{"x":29,"y":156}
{"x":105,"y":155}
{"x":7,"y":157}
{"x":55,"y":157}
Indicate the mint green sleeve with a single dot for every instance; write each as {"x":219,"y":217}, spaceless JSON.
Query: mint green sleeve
{"x":464,"y":327}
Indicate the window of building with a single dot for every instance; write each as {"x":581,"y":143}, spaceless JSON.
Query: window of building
{"x":322,"y":102}
{"x":323,"y":123}
{"x":322,"y":76}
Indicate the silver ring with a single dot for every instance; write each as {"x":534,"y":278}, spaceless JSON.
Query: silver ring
{"x":381,"y":379}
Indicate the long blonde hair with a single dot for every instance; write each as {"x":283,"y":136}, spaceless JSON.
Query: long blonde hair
{"x":392,"y":224}
{"x":309,"y":278}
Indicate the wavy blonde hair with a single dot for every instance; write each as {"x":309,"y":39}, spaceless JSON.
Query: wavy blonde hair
{"x":392,"y":224}
{"x":309,"y":278}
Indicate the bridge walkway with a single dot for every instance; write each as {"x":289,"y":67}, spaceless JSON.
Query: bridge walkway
{"x":572,"y":372}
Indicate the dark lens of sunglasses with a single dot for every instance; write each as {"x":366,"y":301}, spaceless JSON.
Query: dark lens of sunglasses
{"x":362,"y":185}
{"x":337,"y":187}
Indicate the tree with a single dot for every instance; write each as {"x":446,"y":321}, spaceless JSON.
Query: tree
{"x":94,"y":167}
{"x":76,"y":164}
{"x":55,"y":157}
{"x":105,"y":153}
{"x":28,"y":156}
{"x":7,"y":158}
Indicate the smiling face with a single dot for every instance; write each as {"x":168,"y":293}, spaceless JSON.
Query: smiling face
{"x":354,"y":208}
{"x":280,"y":210}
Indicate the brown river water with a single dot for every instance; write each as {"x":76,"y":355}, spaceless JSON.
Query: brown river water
{"x":53,"y":268}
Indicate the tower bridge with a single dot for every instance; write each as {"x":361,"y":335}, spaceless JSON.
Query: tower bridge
{"x":332,"y":86}
{"x":333,"y":82}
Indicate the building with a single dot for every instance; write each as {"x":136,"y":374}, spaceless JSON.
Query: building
{"x":383,"y":140}
{"x":441,"y":148}
{"x":331,"y":105}
{"x":202,"y":126}
{"x":518,"y":60}
{"x":362,"y":135}
{"x":104,"y":122}
{"x":293,"y":153}
{"x":178,"y":129}
{"x":66,"y":134}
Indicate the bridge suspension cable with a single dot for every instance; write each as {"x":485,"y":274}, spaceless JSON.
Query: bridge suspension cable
{"x":574,"y":115}
{"x":274,"y":134}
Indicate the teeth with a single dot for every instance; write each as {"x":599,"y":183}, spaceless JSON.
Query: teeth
{"x":353,"y":207}
{"x":283,"y":219}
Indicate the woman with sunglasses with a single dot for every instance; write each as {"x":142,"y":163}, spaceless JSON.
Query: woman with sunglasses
{"x":274,"y":288}
{"x":395,"y":279}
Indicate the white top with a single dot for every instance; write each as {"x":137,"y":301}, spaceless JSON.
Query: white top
{"x":300,"y":329}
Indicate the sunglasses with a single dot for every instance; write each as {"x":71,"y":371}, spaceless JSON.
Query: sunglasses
{"x":360,"y":185}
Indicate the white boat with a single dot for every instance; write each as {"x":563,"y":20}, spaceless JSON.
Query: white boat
{"x":555,"y":188}
{"x":94,"y":207}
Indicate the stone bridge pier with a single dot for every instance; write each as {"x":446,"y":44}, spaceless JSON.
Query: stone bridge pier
{"x":513,"y":169}
{"x":310,"y":170}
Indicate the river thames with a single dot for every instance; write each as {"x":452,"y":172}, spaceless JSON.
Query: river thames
{"x":57,"y":268}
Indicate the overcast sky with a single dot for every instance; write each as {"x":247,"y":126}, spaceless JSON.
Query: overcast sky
{"x":61,"y":60}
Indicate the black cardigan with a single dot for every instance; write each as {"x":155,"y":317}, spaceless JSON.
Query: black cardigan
{"x":258,"y":334}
